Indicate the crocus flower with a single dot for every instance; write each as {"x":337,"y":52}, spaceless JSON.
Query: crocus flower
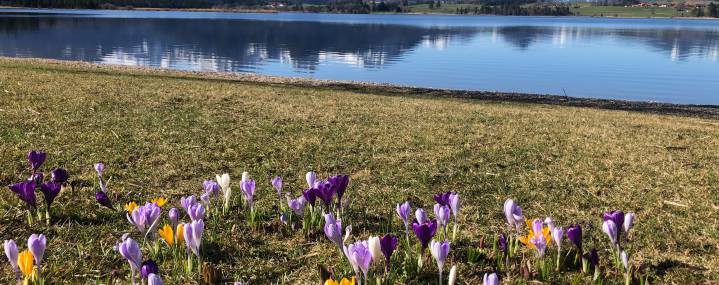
{"x":502,"y":241}
{"x":129,"y":207}
{"x":154,"y":279}
{"x":186,"y":202}
{"x":310,"y":195}
{"x":25,"y":263}
{"x":513,"y":213}
{"x":490,"y":279}
{"x":420,"y":215}
{"x":359,"y":256}
{"x":174,"y":216}
{"x":403,"y":211}
{"x":104,"y":200}
{"x":454,"y":204}
{"x":539,"y":243}
{"x":442,"y":214}
{"x":297,"y":205}
{"x":99,"y":168}
{"x":375,"y":249}
{"x":424,"y":232}
{"x":628,"y":222}
{"x":339,"y":185}
{"x":325,"y":192}
{"x":550,"y":223}
{"x":167,"y":235}
{"x":145,"y":218}
{"x":615,"y":216}
{"x":439,"y":251}
{"x":245,"y":176}
{"x":557,"y":234}
{"x":452,"y":275}
{"x":148,"y":267}
{"x":205,"y":198}
{"x":538,"y":234}
{"x":36,"y":158}
{"x":311,"y":177}
{"x":38,"y":177}
{"x":248,"y":189}
{"x":130,"y":250}
{"x":593,"y":258}
{"x":50,"y":190}
{"x":193,"y":236}
{"x":284,"y":218}
{"x":180,"y":233}
{"x":59,"y":175}
{"x":211,"y":187}
{"x":574,"y":234}
{"x":159,"y":201}
{"x":196,"y":212}
{"x":277,"y":184}
{"x":625,"y":260}
{"x":26,"y":192}
{"x":224,"y":181}
{"x":333,"y":229}
{"x":442,"y":198}
{"x":388,"y":244}
{"x":610,"y":228}
{"x":331,"y":281}
{"x":12,"y":255}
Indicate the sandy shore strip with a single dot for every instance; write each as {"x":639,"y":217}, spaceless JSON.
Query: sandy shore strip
{"x":704,"y":111}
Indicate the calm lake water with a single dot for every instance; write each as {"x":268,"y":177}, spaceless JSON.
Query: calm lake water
{"x":661,"y":60}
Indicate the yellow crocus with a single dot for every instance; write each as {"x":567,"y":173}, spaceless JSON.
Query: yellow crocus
{"x":159,"y":201}
{"x":129,"y":207}
{"x":180,"y":233}
{"x":344,"y":281}
{"x":26,"y":261}
{"x":545,"y":232}
{"x":167,"y":234}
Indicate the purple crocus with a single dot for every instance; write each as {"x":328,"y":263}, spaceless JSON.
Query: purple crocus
{"x":359,"y":256}
{"x":99,"y":168}
{"x":540,"y":243}
{"x":154,"y":279}
{"x":333,"y":229}
{"x":502,"y":241}
{"x":130,"y":250}
{"x":442,"y":198}
{"x":325,"y":192}
{"x":36,"y":159}
{"x":277,"y":184}
{"x":36,"y":244}
{"x":612,"y":231}
{"x":248,"y":189}
{"x":388,"y":243}
{"x":439,"y":251}
{"x":193,"y":236}
{"x":104,"y":200}
{"x":441,"y":213}
{"x":145,"y":218}
{"x":557,"y":234}
{"x":339,"y":185}
{"x":593,"y":258}
{"x":12,"y":254}
{"x":196,"y":212}
{"x":574,"y":234}
{"x":297,"y":205}
{"x":404,"y":211}
{"x":628,"y":222}
{"x":513,"y":213}
{"x":50,"y":190}
{"x":311,"y":177}
{"x":454,"y":204}
{"x":310,"y":195}
{"x":148,"y":267}
{"x":490,"y":279}
{"x":186,"y":202}
{"x":59,"y":175}
{"x":211,"y":187}
{"x":26,"y":192}
{"x":615,"y":216}
{"x":424,"y":232}
{"x":421,"y":216}
{"x":174,"y":216}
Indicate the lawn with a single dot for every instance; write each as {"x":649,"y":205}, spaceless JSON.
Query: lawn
{"x":163,"y":133}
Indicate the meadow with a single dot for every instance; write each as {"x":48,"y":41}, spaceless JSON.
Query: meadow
{"x":161,"y":134}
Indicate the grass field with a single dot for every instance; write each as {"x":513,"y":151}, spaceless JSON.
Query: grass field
{"x":164,"y":133}
{"x":585,"y":9}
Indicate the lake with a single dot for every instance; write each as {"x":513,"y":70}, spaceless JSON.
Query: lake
{"x":662,"y":60}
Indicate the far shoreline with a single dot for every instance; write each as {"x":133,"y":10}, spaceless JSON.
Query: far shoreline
{"x":685,"y":110}
{"x":270,"y":11}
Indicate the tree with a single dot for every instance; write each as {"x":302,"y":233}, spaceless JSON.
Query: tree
{"x":713,"y":10}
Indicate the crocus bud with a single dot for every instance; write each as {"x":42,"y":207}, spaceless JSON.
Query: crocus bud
{"x":36,"y":158}
{"x":174,"y":216}
{"x":625,"y":260}
{"x":148,"y":267}
{"x":375,"y":249}
{"x":610,"y":228}
{"x":452,"y":275}
{"x":628,"y":222}
{"x":311,"y":177}
{"x":59,"y":175}
{"x":154,"y":279}
{"x":490,"y":279}
{"x":36,"y":244}
{"x":99,"y":168}
{"x":12,"y":253}
{"x":420,"y":215}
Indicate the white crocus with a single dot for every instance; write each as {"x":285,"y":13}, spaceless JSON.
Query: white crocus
{"x":375,"y":249}
{"x":224,"y":181}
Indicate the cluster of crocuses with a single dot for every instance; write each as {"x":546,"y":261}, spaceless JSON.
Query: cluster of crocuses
{"x":542,"y":233}
{"x":362,"y":253}
{"x":50,"y":189}
{"x":28,"y":263}
{"x":324,"y":190}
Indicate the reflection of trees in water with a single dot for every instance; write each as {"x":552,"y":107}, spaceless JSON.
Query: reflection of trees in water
{"x":679,"y":44}
{"x":228,"y":45}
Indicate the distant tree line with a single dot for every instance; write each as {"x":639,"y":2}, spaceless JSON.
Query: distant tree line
{"x":96,"y":4}
{"x":515,"y":9}
{"x":710,"y":10}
